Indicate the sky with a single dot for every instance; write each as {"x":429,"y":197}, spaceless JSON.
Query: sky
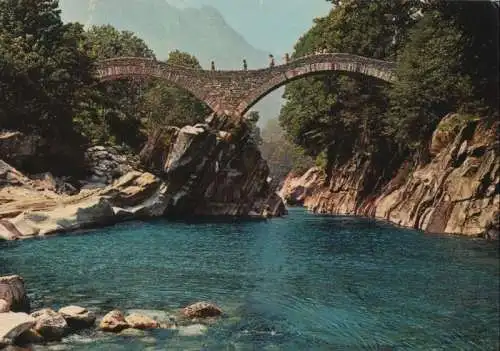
{"x":270,"y":25}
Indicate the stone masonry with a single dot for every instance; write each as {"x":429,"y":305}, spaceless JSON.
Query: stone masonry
{"x":233,"y":93}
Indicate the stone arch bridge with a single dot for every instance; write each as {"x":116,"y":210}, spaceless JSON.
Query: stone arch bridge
{"x":233,"y":93}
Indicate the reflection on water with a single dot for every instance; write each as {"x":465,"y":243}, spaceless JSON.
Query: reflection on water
{"x":301,"y":283}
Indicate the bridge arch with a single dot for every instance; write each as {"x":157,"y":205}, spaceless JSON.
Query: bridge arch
{"x":235,"y":92}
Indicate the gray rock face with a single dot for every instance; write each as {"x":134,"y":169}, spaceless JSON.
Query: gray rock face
{"x":456,"y":192}
{"x":107,"y":164}
{"x":207,"y":171}
{"x":13,"y":294}
{"x":214,"y":173}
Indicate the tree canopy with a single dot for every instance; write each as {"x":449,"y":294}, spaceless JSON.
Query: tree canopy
{"x":447,"y":61}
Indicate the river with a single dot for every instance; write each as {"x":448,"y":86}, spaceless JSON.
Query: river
{"x":303,"y":282}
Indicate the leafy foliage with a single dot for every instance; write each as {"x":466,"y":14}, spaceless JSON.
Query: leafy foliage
{"x":164,"y":106}
{"x":44,"y":73}
{"x":447,"y":60}
{"x":113,"y":116}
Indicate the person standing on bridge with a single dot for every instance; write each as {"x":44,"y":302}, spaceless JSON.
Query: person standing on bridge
{"x":245,"y":66}
{"x":271,"y":61}
{"x":213,"y":65}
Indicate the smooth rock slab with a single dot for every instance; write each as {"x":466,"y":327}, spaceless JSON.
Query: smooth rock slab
{"x":12,"y":325}
{"x":78,"y":317}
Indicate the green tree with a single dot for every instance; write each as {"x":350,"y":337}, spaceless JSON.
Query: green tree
{"x":43,"y":71}
{"x":165,"y":105}
{"x":341,"y":114}
{"x":450,"y":63}
{"x":44,"y":79}
{"x":114,"y":115}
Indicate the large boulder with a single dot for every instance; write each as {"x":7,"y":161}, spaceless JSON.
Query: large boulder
{"x":210,"y":173}
{"x":13,"y":294}
{"x":78,"y":317}
{"x":49,"y":324}
{"x":114,"y":321}
{"x":12,"y":325}
{"x":139,"y":321}
{"x":202,"y":310}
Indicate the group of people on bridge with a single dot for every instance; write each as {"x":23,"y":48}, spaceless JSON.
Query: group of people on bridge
{"x":272,"y":63}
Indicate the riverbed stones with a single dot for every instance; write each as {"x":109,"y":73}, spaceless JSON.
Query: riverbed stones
{"x":193,"y":330}
{"x":12,"y":325}
{"x":114,"y":322}
{"x":138,"y":321}
{"x":202,"y":309}
{"x":78,"y":317}
{"x":50,"y":324}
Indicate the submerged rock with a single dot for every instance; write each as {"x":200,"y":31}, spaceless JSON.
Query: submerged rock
{"x":50,"y":325}
{"x":193,"y":330}
{"x":114,"y":321}
{"x":78,"y":317}
{"x":136,"y":333}
{"x":138,"y":321}
{"x":202,"y":310}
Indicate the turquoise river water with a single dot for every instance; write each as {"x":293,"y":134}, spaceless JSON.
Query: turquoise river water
{"x":303,"y":282}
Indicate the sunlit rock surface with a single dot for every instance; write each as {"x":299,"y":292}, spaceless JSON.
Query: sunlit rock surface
{"x":456,"y":192}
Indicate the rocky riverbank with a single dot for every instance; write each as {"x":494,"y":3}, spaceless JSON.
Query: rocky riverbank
{"x":456,"y":192}
{"x":19,"y":327}
{"x":206,"y":171}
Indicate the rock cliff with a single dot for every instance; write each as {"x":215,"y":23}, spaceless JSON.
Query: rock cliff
{"x":207,"y":171}
{"x":456,"y":192}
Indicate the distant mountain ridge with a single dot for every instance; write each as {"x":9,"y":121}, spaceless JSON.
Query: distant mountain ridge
{"x":202,"y":31}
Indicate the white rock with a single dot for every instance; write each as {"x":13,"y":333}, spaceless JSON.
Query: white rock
{"x":14,"y":324}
